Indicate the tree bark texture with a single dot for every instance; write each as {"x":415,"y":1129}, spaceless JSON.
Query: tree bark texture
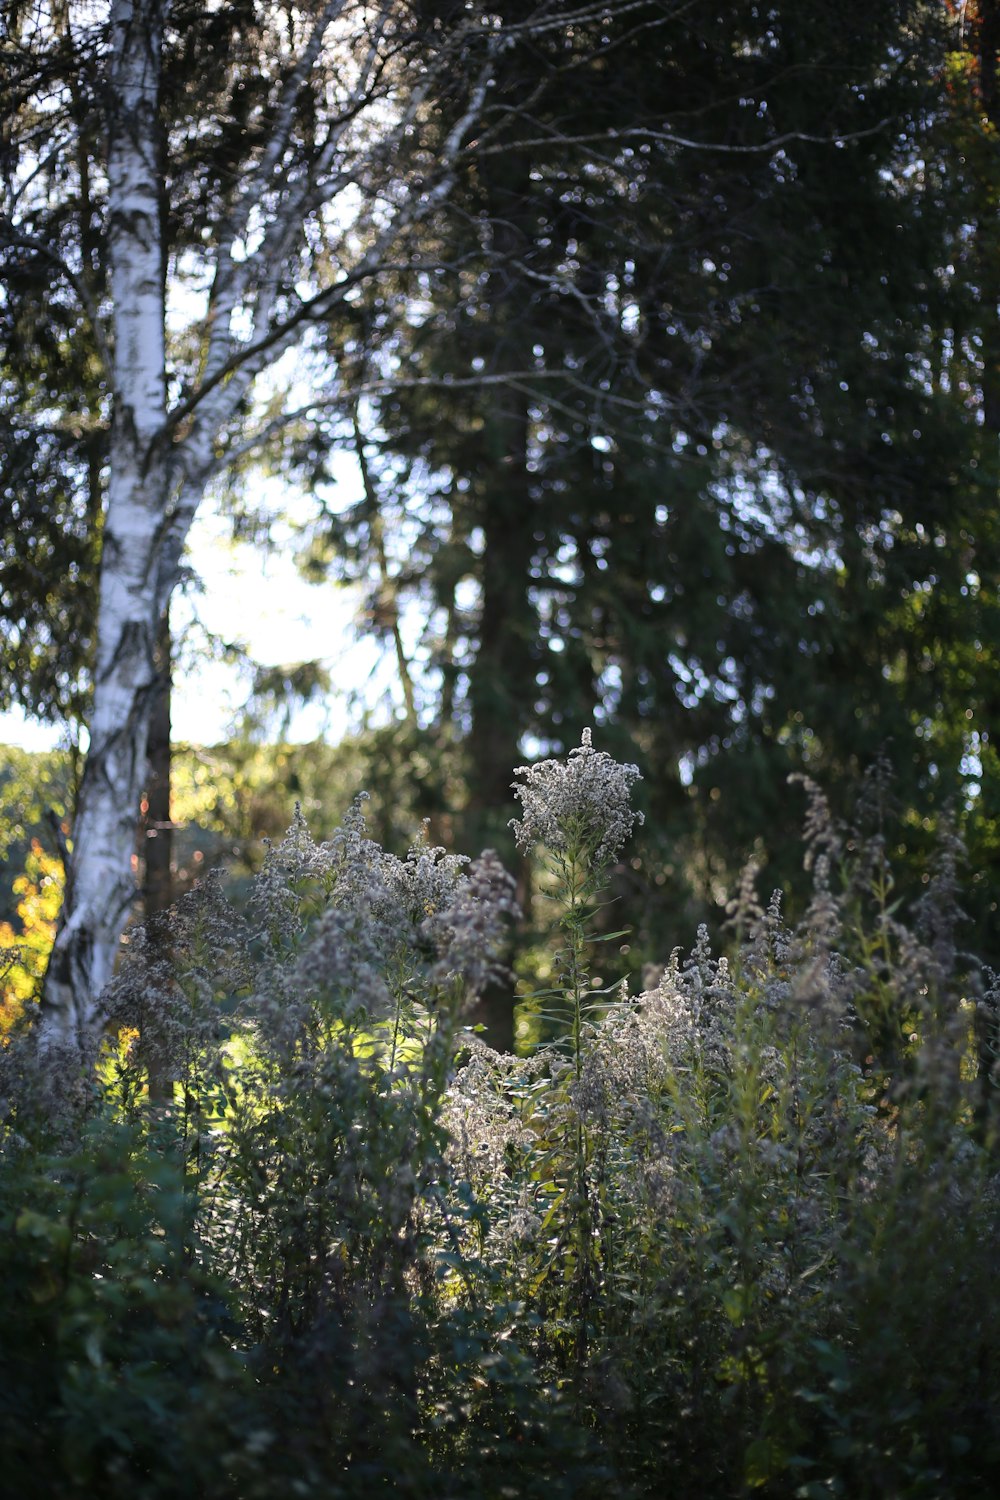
{"x":100,"y":885}
{"x":157,"y":843}
{"x":156,"y":849}
{"x":503,"y":676}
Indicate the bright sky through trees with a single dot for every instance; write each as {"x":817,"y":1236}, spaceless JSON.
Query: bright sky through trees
{"x":254,"y":597}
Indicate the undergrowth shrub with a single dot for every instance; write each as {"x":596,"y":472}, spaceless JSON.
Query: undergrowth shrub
{"x":298,"y":1232}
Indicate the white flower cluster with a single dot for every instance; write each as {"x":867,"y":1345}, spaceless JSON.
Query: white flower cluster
{"x":581,"y":806}
{"x":353,"y":927}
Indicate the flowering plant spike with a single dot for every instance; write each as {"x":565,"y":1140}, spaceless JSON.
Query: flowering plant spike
{"x":582,"y":804}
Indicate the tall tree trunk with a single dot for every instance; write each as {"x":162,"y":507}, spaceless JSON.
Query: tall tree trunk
{"x":100,"y":885}
{"x":158,"y":839}
{"x":501,"y":680}
{"x":157,"y":844}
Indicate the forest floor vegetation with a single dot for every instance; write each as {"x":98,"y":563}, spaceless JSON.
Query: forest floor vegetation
{"x":299,"y":1232}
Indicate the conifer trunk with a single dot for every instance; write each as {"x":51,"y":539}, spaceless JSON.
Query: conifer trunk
{"x":156,"y":853}
{"x":501,"y":681}
{"x":158,"y":841}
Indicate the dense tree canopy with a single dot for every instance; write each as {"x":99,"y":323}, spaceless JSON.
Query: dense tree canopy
{"x":726,"y":479}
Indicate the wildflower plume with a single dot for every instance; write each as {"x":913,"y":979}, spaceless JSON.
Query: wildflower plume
{"x":581,"y":805}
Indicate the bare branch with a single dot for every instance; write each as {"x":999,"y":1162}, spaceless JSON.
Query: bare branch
{"x":670,"y":138}
{"x":531,"y":383}
{"x":269,"y":341}
{"x":264,"y":173}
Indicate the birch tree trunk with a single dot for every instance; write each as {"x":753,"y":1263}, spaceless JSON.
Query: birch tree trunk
{"x":100,"y":885}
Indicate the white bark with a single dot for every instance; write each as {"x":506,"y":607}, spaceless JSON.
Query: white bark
{"x":100,"y":879}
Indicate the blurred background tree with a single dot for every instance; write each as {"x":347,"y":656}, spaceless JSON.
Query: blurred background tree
{"x":726,"y":482}
{"x":692,"y":436}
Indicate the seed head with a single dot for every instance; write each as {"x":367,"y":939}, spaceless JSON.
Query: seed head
{"x":581,"y":806}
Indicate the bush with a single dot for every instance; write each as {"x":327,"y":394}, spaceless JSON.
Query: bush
{"x":734,"y":1234}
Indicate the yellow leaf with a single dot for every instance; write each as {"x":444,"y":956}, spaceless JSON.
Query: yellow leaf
{"x":25,"y":954}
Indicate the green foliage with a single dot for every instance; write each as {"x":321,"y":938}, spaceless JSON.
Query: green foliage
{"x":234,"y":794}
{"x":736,"y":499}
{"x":34,"y":787}
{"x":24,"y":951}
{"x":739,"y":1229}
{"x":118,"y":1372}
